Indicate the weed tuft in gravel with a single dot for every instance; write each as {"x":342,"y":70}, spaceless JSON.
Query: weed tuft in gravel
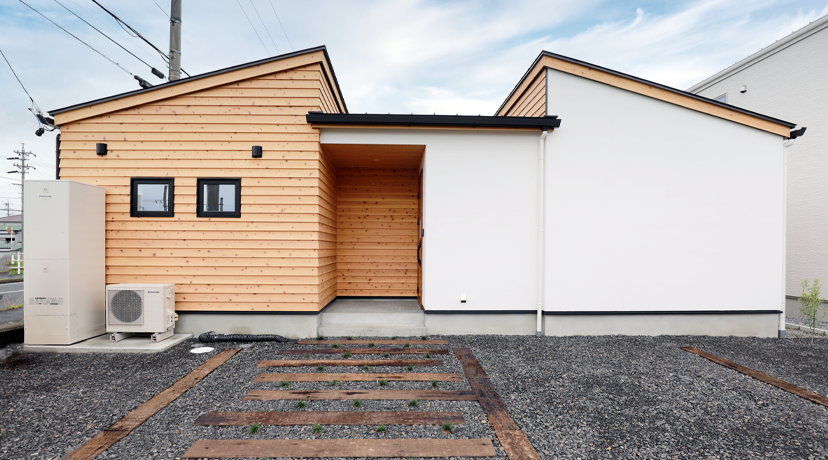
{"x":284,"y":383}
{"x":447,"y":427}
{"x":357,"y":402}
{"x":320,"y":368}
{"x":382,"y":429}
{"x":334,"y":345}
{"x":306,"y":356}
{"x":385,"y":355}
{"x":349,"y":338}
{"x":371,"y":345}
{"x":413,"y":403}
{"x":333,"y":383}
{"x":301,"y":404}
{"x":410,"y":367}
{"x":407,"y":345}
{"x":346,"y":355}
{"x":423,"y":337}
{"x":382,"y":383}
{"x":365,"y":368}
{"x":320,"y":337}
{"x":317,"y":429}
{"x":428,"y":355}
{"x":254,"y":428}
{"x":393,"y":337}
{"x":433,"y":384}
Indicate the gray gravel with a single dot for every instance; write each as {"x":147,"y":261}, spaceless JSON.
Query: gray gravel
{"x":575,"y":397}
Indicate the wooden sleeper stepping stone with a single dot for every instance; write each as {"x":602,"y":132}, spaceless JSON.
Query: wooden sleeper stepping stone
{"x":364,"y":377}
{"x":367,"y":351}
{"x":376,"y":342}
{"x":320,"y":395}
{"x":324,"y":448}
{"x":349,"y":362}
{"x":329,"y":418}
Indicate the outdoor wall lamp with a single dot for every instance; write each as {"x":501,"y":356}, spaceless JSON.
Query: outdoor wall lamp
{"x":100,"y":149}
{"x":257,"y":151}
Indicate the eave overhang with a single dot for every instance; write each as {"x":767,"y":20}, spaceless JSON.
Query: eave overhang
{"x":432,"y":121}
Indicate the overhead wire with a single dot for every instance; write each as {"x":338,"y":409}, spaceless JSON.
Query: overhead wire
{"x":18,"y":78}
{"x":78,"y":39}
{"x":280,"y":25}
{"x":251,"y":26}
{"x":162,"y":9}
{"x":154,"y":71}
{"x":265,"y":27}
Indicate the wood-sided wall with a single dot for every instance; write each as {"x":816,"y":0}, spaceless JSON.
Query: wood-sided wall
{"x":377,"y":232}
{"x":532,"y":102}
{"x":280,"y":255}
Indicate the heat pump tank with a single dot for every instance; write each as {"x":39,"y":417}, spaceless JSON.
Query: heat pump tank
{"x":64,"y":292}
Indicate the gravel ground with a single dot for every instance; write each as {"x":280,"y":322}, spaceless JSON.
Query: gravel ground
{"x":802,"y":322}
{"x":575,"y":397}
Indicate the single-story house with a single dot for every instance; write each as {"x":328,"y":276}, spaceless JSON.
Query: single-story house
{"x":592,"y":202}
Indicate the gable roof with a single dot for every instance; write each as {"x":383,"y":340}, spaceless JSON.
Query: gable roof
{"x":547,"y":60}
{"x":199,"y":82}
{"x":779,"y":45}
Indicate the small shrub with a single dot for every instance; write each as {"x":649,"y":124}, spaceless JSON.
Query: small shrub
{"x":254,"y":428}
{"x":333,"y":383}
{"x":365,"y":368}
{"x":346,"y":355}
{"x":306,"y":356}
{"x":433,"y":384}
{"x":382,"y":383}
{"x":413,"y":403}
{"x":407,"y":345}
{"x":810,"y":304}
{"x":349,"y":338}
{"x":422,"y":337}
{"x":301,"y":404}
{"x":334,"y":345}
{"x":317,"y":429}
{"x":284,"y":384}
{"x":382,"y":429}
{"x":428,"y":355}
{"x":320,"y":337}
{"x":320,"y":368}
{"x":385,"y":355}
{"x":357,"y":402}
{"x":410,"y":367}
{"x":371,"y":345}
{"x":447,"y":427}
{"x":393,"y":337}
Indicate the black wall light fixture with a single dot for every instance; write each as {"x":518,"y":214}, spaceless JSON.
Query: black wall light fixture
{"x":257,"y":151}
{"x":100,"y":149}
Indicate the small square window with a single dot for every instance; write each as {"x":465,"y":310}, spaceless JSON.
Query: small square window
{"x":219,"y":198}
{"x":151,"y":197}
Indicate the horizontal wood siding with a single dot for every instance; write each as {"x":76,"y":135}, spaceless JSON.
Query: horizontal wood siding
{"x":532,"y":103}
{"x":376,"y":232}
{"x":281,"y":254}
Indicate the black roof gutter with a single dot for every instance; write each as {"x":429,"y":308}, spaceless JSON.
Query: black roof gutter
{"x":641,"y":80}
{"x":217,"y":72}
{"x":457,"y":121}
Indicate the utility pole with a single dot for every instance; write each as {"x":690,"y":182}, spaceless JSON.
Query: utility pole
{"x":8,"y":208}
{"x":21,"y":168}
{"x":175,"y":40}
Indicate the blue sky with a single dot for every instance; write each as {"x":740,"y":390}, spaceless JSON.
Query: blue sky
{"x":389,"y":56}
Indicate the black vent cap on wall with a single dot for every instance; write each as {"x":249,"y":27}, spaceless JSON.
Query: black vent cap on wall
{"x":100,"y":148}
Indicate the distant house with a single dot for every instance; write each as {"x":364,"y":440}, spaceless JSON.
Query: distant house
{"x":593,"y":202}
{"x":11,"y":233}
{"x":789,"y":78}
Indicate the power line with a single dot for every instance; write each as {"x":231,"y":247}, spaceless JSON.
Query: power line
{"x":251,"y":26}
{"x":120,"y":21}
{"x":78,"y":39}
{"x":280,"y":25}
{"x":265,"y":27}
{"x":15,"y":76}
{"x":154,"y":71}
{"x":162,"y":9}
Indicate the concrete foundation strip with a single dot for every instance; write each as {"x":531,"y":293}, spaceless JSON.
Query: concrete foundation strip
{"x":375,"y":342}
{"x":514,"y":441}
{"x":806,"y":329}
{"x":801,"y":392}
{"x":362,"y":377}
{"x":367,"y":351}
{"x":349,"y":362}
{"x":329,"y":418}
{"x":322,"y":395}
{"x":323,"y":448}
{"x":107,"y":438}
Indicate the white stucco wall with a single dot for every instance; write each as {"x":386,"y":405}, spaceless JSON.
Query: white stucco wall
{"x":792,"y":84}
{"x":480,"y":213}
{"x":654,"y":207}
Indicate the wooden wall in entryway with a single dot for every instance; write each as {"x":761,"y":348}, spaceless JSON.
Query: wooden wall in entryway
{"x":376,"y":232}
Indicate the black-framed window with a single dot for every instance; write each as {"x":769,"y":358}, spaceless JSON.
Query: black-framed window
{"x":218,"y":198}
{"x":151,"y":197}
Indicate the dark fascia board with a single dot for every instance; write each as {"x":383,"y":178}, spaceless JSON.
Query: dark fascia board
{"x":472,"y":121}
{"x":640,"y":80}
{"x":216,"y":72}
{"x":601,"y":313}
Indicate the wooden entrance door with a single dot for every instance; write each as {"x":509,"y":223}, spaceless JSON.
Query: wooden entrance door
{"x":420,"y":235}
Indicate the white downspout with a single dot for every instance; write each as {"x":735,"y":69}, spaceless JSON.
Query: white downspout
{"x":541,"y":219}
{"x":785,"y":146}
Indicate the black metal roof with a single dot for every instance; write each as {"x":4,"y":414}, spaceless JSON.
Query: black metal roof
{"x":473,"y":121}
{"x":216,"y":72}
{"x":640,"y":80}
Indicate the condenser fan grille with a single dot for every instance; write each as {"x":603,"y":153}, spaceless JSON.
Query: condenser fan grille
{"x":126,"y":307}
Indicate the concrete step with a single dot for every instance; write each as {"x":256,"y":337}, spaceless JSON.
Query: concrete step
{"x":371,"y":330}
{"x":378,"y":319}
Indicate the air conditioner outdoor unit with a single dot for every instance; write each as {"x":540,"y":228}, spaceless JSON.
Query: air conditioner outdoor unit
{"x":133,"y":308}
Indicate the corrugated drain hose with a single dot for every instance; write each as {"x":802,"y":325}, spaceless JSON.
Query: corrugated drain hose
{"x":213,"y":337}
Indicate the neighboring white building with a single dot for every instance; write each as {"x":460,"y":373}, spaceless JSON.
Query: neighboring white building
{"x":790,"y":80}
